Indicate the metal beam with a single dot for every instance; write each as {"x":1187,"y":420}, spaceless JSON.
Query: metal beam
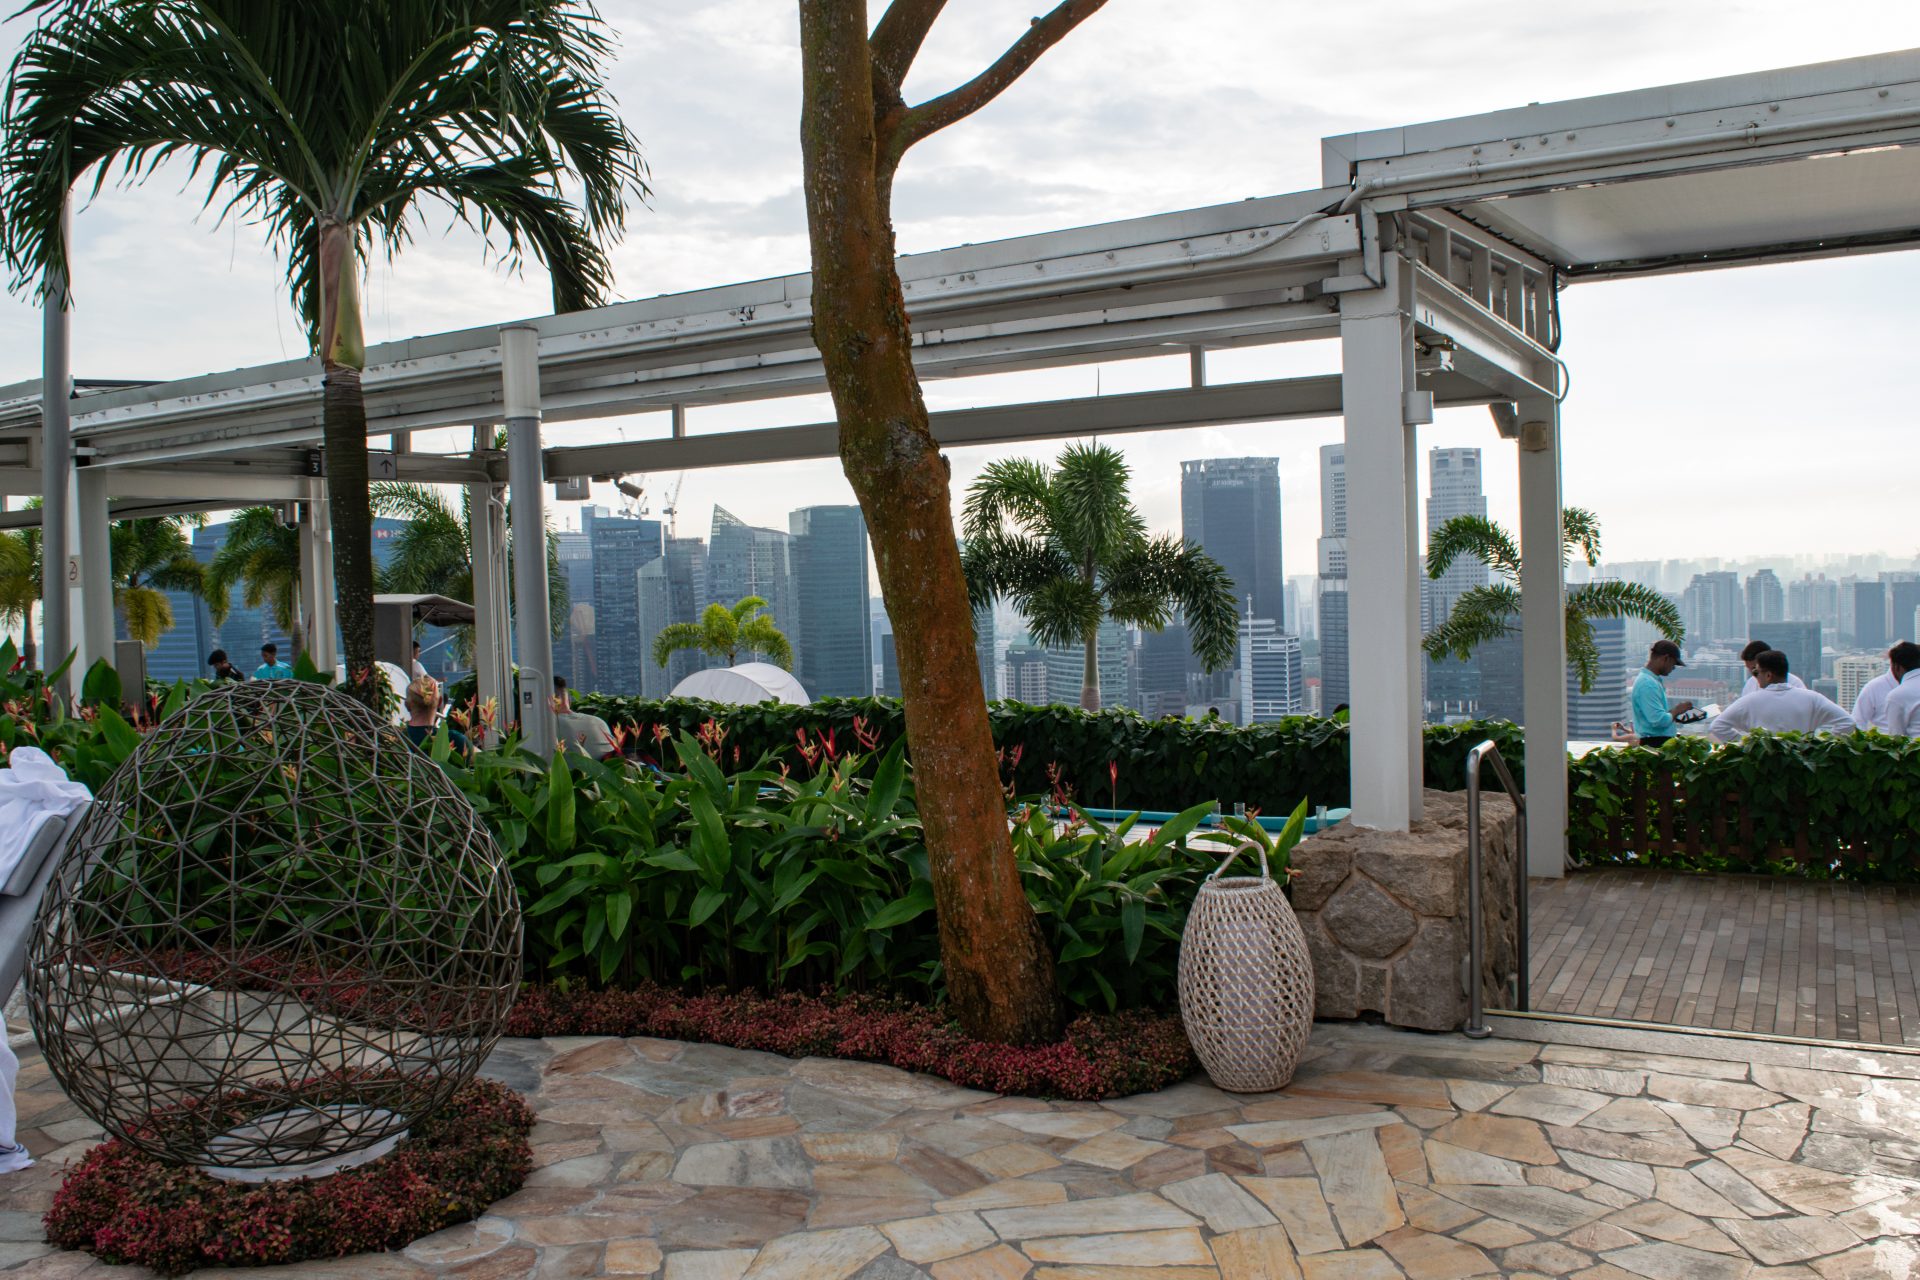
{"x":1487,"y":349}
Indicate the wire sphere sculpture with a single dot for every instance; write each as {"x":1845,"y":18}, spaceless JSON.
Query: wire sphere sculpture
{"x":279,"y":935}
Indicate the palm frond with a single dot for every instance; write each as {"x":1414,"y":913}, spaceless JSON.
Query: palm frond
{"x":1062,"y":612}
{"x":1626,"y":600}
{"x":745,"y":607}
{"x":1003,"y":563}
{"x":1095,"y":517}
{"x":1011,"y":495}
{"x":1479,"y":615}
{"x":1580,"y":532}
{"x":1475,"y":537}
{"x":1166,"y":573}
{"x":674,"y":637}
{"x":760,"y":636}
{"x":148,"y":613}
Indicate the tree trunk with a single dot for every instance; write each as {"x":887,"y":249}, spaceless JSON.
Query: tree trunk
{"x":344,"y":439}
{"x":1090,"y":674}
{"x":999,"y":972}
{"x":27,"y":650}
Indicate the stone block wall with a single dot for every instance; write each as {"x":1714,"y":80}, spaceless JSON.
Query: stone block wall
{"x":1385,"y":914}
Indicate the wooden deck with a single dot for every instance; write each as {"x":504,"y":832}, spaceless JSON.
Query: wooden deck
{"x":1829,"y":961}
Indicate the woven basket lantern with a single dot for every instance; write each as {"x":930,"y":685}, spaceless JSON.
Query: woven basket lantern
{"x":1246,"y":980}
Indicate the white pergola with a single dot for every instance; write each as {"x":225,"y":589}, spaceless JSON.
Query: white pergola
{"x":1434,"y":255}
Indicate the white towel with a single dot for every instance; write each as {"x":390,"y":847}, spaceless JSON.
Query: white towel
{"x":33,"y":790}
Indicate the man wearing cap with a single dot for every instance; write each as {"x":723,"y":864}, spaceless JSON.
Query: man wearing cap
{"x":1776,"y":706}
{"x":1652,"y":718}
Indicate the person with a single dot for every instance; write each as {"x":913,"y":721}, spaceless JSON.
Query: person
{"x":419,"y":671}
{"x":1903,"y":704}
{"x":1870,"y":708}
{"x":423,"y":719}
{"x":1750,"y":656}
{"x":271,"y":668}
{"x":223,"y":669}
{"x":578,"y":730}
{"x":1652,"y":718}
{"x":1777,"y":706}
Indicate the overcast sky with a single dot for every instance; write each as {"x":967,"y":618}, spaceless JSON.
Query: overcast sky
{"x":1728,"y":413}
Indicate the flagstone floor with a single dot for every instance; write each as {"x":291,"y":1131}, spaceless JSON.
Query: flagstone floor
{"x":1393,"y":1156}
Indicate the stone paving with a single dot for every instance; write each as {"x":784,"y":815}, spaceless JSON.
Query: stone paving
{"x":1394,"y":1156}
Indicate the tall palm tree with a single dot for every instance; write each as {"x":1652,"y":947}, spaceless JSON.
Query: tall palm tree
{"x":20,"y":580}
{"x":334,"y":123}
{"x":433,"y":555}
{"x":261,"y":556}
{"x":1488,"y":612}
{"x":1068,"y":548}
{"x":150,"y":558}
{"x":724,"y":632}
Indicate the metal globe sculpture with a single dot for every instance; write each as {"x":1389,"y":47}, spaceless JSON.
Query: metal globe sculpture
{"x":280,"y":934}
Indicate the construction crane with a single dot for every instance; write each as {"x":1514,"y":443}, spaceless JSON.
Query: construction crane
{"x":671,"y":508}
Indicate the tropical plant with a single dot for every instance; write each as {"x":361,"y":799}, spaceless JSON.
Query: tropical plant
{"x":150,"y":558}
{"x":261,"y":556}
{"x":1068,"y":548}
{"x":724,"y":632}
{"x":433,"y":555}
{"x":1488,"y":612}
{"x":20,"y":583}
{"x":335,"y":125}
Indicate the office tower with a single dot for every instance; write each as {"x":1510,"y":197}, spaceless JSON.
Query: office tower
{"x":1714,"y":608}
{"x":672,"y":588}
{"x":1903,"y":601}
{"x":1113,"y":655}
{"x":1299,"y":612}
{"x":1853,"y":672}
{"x":1335,"y":687}
{"x":1591,"y":715}
{"x":1766,"y":599}
{"x":620,"y":546}
{"x":1027,"y":675}
{"x":1453,"y":490}
{"x":571,"y":648}
{"x":1870,"y":630}
{"x":1800,"y":641}
{"x":1165,"y":657}
{"x":986,"y":651}
{"x":1271,"y":686}
{"x":827,"y":550}
{"x":878,"y":625}
{"x":743,"y":561}
{"x":1230,"y":507}
{"x":1501,"y":694}
{"x":889,"y":667}
{"x":1815,"y":599}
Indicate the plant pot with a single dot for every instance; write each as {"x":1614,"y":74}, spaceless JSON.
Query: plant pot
{"x":1246,"y":983}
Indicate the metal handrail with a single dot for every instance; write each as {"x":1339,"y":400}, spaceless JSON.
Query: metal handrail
{"x":1477,"y":1027}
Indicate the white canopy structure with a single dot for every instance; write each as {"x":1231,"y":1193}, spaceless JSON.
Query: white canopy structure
{"x":1434,"y":255}
{"x":749,"y":683}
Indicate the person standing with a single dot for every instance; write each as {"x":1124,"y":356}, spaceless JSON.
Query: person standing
{"x":271,"y":668}
{"x":1652,"y":718}
{"x":1776,"y":706}
{"x":1903,"y":704}
{"x":1751,"y":656}
{"x":419,"y":671}
{"x":1870,"y":708}
{"x":222,"y":668}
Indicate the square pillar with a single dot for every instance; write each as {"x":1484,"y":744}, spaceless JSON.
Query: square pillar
{"x":526,"y":476}
{"x":492,"y":663}
{"x":1383,"y":560}
{"x":1543,"y":636}
{"x":316,"y":580}
{"x":93,"y":581}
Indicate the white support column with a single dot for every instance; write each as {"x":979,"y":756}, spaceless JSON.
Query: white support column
{"x":325,"y":627}
{"x":56,"y":467}
{"x":1383,"y":594}
{"x":93,"y":597}
{"x":491,"y":652}
{"x":532,"y":628}
{"x":1543,"y":642}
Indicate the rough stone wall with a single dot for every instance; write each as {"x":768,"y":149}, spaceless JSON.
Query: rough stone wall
{"x":1385,"y":914}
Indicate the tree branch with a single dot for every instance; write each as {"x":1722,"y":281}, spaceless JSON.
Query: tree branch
{"x":896,"y":42}
{"x":937,"y":113}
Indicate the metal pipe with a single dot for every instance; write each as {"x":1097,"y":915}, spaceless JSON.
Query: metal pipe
{"x":1476,"y":1025}
{"x":533,"y":631}
{"x":56,"y":463}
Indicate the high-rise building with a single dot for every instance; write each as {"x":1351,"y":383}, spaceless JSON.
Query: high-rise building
{"x":1903,"y":601}
{"x":1164,"y":659}
{"x":889,"y":667}
{"x":1852,"y":672}
{"x":1766,"y":599}
{"x":1271,"y":686}
{"x":827,"y":552}
{"x":1331,"y":604}
{"x":620,"y":546}
{"x":672,"y":588}
{"x":1453,"y":490}
{"x":573,"y":648}
{"x":743,"y":560}
{"x":986,"y":651}
{"x":1714,"y":608}
{"x":1870,"y":629}
{"x":1027,"y":675}
{"x":1591,"y":715}
{"x":1113,"y":657}
{"x":1230,"y":507}
{"x":1800,"y":641}
{"x":1815,"y":599}
{"x":1502,"y":696}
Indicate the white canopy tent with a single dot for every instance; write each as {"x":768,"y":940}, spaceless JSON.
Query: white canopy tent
{"x":1434,"y":254}
{"x":746,"y":682}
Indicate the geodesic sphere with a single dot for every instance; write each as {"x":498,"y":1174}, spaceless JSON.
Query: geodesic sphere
{"x":279,"y":934}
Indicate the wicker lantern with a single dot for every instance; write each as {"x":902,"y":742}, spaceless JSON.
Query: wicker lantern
{"x":279,"y":935}
{"x":1246,"y":980}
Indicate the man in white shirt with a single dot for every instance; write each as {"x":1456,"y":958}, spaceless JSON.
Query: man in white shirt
{"x":1870,"y":708}
{"x":1750,"y":655}
{"x":579,"y":731}
{"x":1778,"y":707}
{"x":1903,"y":704}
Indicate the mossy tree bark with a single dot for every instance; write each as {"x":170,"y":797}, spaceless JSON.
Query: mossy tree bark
{"x":343,"y":355}
{"x":855,"y":127}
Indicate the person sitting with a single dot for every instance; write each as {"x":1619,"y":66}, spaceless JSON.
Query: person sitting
{"x":423,"y":720}
{"x":1870,"y":708}
{"x":579,"y":731}
{"x":1750,"y":656}
{"x":1775,"y":705}
{"x":222,"y":668}
{"x":1903,"y":704}
{"x":271,"y":668}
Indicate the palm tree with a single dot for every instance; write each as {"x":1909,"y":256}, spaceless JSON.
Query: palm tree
{"x":334,"y":124}
{"x":20,"y":579}
{"x":1488,"y":612}
{"x":724,"y":632}
{"x":1069,"y":549}
{"x":150,"y":558}
{"x":433,"y":555}
{"x":262,"y":556}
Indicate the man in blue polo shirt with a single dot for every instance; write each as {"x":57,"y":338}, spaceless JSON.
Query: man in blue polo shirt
{"x":271,"y":668}
{"x":1652,"y":718}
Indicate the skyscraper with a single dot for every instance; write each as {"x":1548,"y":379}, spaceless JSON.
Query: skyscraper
{"x":672,"y":588}
{"x":827,"y":553}
{"x":1335,"y":684}
{"x":1271,"y":686}
{"x":1453,"y":490}
{"x":1800,"y":641}
{"x":1852,"y":672}
{"x":1903,"y":601}
{"x":1027,"y":675}
{"x":1113,"y":655}
{"x":1591,"y":715}
{"x":1870,"y":615}
{"x":986,"y":651}
{"x":1230,"y":507}
{"x":1815,"y":599}
{"x":1714,"y":608}
{"x":1766,"y":598}
{"x":743,"y":561}
{"x":1164,"y":659}
{"x":573,"y":649}
{"x":620,"y":546}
